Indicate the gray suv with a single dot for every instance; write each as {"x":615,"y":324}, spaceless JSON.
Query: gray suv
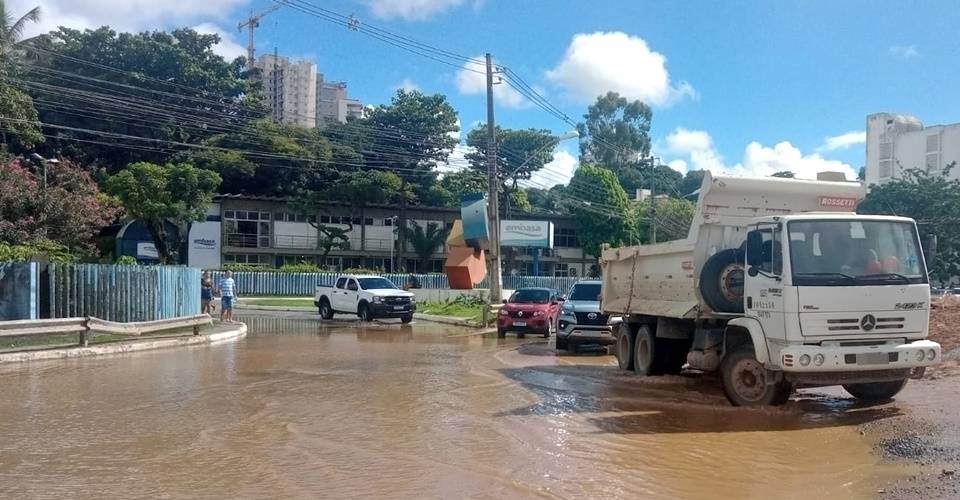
{"x":580,"y":321}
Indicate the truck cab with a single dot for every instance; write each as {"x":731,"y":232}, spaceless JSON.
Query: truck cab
{"x":779,"y":284}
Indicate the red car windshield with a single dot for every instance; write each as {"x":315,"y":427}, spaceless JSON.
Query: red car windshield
{"x":530,"y":297}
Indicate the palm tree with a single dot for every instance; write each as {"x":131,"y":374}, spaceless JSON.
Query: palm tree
{"x":11,"y":30}
{"x":425,"y":241}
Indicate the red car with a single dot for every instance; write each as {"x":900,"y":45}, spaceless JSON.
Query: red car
{"x":532,"y":310}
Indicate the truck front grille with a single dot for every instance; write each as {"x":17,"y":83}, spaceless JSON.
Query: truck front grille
{"x":853,"y":324}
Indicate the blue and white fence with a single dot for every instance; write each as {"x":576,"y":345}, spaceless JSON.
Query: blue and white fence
{"x":119,"y":293}
{"x":251,"y":283}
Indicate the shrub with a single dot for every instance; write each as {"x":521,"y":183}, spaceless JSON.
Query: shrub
{"x":48,"y":249}
{"x":126,"y":260}
{"x":303,"y":267}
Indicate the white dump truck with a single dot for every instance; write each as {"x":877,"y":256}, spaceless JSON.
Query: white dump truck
{"x":779,"y":283}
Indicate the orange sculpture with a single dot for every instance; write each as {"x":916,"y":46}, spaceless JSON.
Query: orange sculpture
{"x":466,"y":266}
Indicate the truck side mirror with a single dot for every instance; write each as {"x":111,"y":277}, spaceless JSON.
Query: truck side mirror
{"x":931,"y":256}
{"x":754,"y":248}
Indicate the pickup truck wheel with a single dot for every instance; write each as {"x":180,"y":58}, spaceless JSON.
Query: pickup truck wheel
{"x":721,"y":281}
{"x":644,"y":358}
{"x":746,"y":381}
{"x":406,"y":318}
{"x":876,"y":391}
{"x":625,"y":337}
{"x":326,"y":312}
{"x":365,"y":314}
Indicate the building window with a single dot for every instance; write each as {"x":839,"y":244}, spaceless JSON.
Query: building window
{"x":565,"y":237}
{"x":387,"y":222}
{"x":247,"y":229}
{"x":248,"y":259}
{"x":368,"y":221}
{"x":324,"y":219}
{"x":562,"y":270}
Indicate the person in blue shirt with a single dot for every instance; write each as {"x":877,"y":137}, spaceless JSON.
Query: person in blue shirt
{"x":228,"y":295}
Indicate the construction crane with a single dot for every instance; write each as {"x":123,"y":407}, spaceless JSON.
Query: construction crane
{"x":251,"y":24}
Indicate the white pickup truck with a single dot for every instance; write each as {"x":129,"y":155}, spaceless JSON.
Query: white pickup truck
{"x":779,"y":283}
{"x":369,"y":297}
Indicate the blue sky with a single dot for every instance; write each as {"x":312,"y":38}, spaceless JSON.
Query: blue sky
{"x":741,"y":86}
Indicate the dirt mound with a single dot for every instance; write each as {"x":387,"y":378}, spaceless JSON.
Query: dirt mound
{"x":945,"y":327}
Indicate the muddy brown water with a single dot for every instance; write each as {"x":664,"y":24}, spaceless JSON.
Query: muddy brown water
{"x":301,"y":409}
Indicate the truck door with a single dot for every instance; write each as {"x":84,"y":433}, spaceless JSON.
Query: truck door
{"x":351,"y":296}
{"x":763,"y":287}
{"x":337,"y":295}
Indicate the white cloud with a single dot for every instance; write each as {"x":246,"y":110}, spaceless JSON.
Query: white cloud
{"x":227,"y":48}
{"x":412,"y":10}
{"x":558,"y":171}
{"x":843,"y":141}
{"x":694,"y":150}
{"x":123,"y":15}
{"x":406,"y":84}
{"x":903,"y":51}
{"x":603,"y":61}
{"x":457,"y":160}
{"x":472,"y":80}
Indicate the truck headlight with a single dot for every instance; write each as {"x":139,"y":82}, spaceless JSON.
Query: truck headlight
{"x":920,"y":355}
{"x":931,"y":354}
{"x":378,"y":299}
{"x":818,"y":359}
{"x":805,"y":360}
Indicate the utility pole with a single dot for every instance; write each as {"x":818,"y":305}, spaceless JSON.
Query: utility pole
{"x":493,"y":208}
{"x":653,"y":215}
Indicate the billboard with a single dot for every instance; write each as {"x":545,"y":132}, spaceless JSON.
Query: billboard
{"x":526,"y":233}
{"x":203,"y":246}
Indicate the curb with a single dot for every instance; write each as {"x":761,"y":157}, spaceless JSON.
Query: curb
{"x":446,"y":320}
{"x":236,"y":333}
{"x":241,"y":307}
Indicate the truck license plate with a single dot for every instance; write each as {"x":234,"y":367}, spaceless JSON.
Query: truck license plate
{"x":873,"y":358}
{"x":397,"y":308}
{"x":519,"y":323}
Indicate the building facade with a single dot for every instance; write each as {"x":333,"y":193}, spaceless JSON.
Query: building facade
{"x":291,"y":89}
{"x":900,"y":142}
{"x":266,"y":231}
{"x":333,"y":105}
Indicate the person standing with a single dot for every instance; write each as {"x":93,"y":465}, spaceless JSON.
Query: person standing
{"x":206,"y":292}
{"x":228,"y":295}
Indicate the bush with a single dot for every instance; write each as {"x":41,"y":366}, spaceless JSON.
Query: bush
{"x":48,"y":249}
{"x":303,"y":267}
{"x":361,"y":270}
{"x":469,"y":301}
{"x":126,"y":260}
{"x":246,"y":268}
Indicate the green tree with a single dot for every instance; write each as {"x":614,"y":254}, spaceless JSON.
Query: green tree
{"x":425,"y":240}
{"x":615,"y":132}
{"x":521,"y":152}
{"x":168,"y":87}
{"x":548,"y":201}
{"x":410,"y":136}
{"x":18,"y":116}
{"x":177,"y":194}
{"x":692,"y":181}
{"x":933,"y":200}
{"x":673,"y":218}
{"x":604,"y":215}
{"x":265,"y":158}
{"x":650,"y":174}
{"x":784,"y":174}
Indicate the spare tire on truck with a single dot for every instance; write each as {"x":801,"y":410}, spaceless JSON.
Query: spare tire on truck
{"x":721,"y":281}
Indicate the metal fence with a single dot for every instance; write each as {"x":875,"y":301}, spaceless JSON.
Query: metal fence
{"x":252,"y":283}
{"x":120,"y":293}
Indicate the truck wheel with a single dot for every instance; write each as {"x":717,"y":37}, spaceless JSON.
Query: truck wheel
{"x":745,"y":380}
{"x":365,"y":314}
{"x":625,"y":347}
{"x":644,"y":359}
{"x":406,"y":318}
{"x":876,"y":391}
{"x":721,"y":281}
{"x":326,"y":312}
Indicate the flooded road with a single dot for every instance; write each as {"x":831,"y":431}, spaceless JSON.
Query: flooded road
{"x":301,"y":409}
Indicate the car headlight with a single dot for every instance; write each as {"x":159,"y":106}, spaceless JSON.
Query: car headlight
{"x":413,"y":300}
{"x":538,"y":313}
{"x":378,"y":299}
{"x":566,"y":310}
{"x":504,"y":312}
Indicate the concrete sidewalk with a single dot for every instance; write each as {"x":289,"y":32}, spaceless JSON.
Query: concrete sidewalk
{"x":221,"y":332}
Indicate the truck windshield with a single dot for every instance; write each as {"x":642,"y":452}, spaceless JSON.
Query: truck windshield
{"x":585,"y":291}
{"x":376,"y":284}
{"x":855,"y":252}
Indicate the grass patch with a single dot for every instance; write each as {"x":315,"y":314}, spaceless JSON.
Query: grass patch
{"x":280,"y":302}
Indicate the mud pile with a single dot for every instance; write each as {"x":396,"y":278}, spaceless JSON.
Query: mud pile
{"x":945,"y":327}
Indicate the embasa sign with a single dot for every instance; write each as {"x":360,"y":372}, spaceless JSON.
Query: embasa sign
{"x":526,"y":233}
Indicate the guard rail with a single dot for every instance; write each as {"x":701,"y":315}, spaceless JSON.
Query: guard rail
{"x":83,"y":326}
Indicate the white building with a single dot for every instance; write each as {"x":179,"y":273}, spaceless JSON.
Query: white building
{"x":899,"y":142}
{"x":291,"y":89}
{"x":333,"y":103}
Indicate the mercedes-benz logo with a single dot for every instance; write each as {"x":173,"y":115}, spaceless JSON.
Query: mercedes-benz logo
{"x":592,"y":316}
{"x":868,"y":322}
